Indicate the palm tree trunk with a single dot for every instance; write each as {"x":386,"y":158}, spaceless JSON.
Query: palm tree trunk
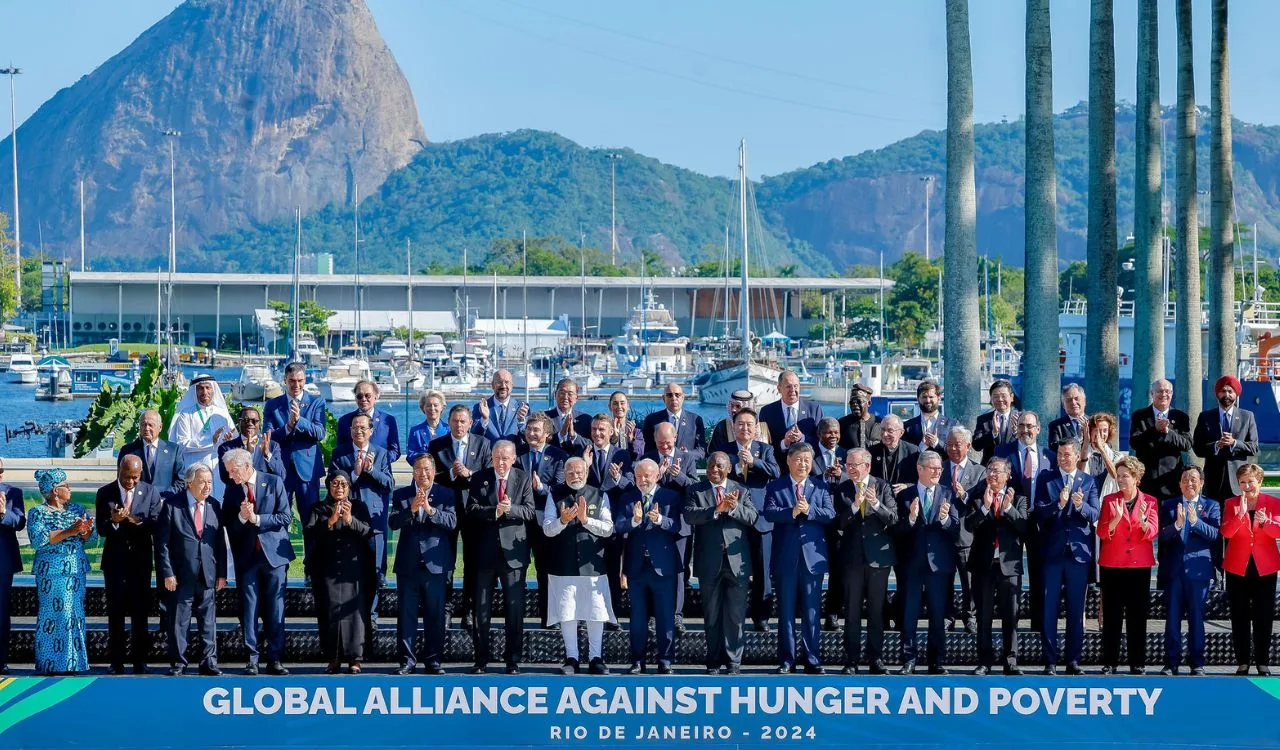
{"x":961,"y":365}
{"x":1221,"y":279}
{"x":1148,"y":232}
{"x":1040,"y":373}
{"x":1102,"y":322}
{"x":1189,"y":371}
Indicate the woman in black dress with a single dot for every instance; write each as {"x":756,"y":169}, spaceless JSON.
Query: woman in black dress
{"x":342,"y":570}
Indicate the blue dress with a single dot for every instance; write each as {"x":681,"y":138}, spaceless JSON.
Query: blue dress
{"x":60,"y":571}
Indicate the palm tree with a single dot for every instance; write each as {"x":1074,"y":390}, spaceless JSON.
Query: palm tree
{"x":1221,"y":279}
{"x":1102,"y":323}
{"x":1040,"y":377}
{"x":961,"y":365}
{"x":1148,"y":329}
{"x":1189,"y":371}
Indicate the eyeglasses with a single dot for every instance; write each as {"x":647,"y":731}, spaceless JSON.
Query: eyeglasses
{"x":250,"y":420}
{"x":355,"y":428}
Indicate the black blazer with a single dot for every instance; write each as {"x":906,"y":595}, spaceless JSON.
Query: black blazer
{"x":719,"y":537}
{"x":167,"y":477}
{"x":550,"y":470}
{"x":477,"y":458}
{"x":500,"y":542}
{"x":972,"y":476}
{"x":194,"y":561}
{"x":858,"y":433}
{"x":1010,"y":529}
{"x":128,"y":546}
{"x":1220,"y":468}
{"x":985,"y":437}
{"x":1160,"y":452}
{"x":897,"y":466}
{"x":1061,"y":429}
{"x":868,"y":539}
{"x":425,"y":545}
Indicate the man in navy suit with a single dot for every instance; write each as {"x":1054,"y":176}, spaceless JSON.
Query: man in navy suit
{"x":500,"y":417}
{"x":127,"y":511}
{"x":13,"y":518}
{"x":256,"y":515}
{"x":1075,"y":422}
{"x":753,"y":466}
{"x":425,"y":514}
{"x":998,"y":426}
{"x":677,"y":471}
{"x":610,"y":470}
{"x":544,"y":465}
{"x":792,"y":419}
{"x":1066,"y":509}
{"x":691,"y":435}
{"x":191,"y":550}
{"x":928,"y":524}
{"x":649,"y":516}
{"x":459,"y":455}
{"x":298,"y":423}
{"x":928,"y":429}
{"x":828,"y":465}
{"x":266,"y":455}
{"x":372,"y":484}
{"x":161,"y":467}
{"x":800,"y":509}
{"x":1189,"y":525}
{"x":386,"y":433}
{"x":572,"y":428}
{"x":1226,"y":437}
{"x":961,"y":474}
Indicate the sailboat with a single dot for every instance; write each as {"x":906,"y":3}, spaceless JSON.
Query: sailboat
{"x":715,"y":386}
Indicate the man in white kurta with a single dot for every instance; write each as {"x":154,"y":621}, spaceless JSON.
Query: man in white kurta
{"x":579,"y":524}
{"x":200,"y":424}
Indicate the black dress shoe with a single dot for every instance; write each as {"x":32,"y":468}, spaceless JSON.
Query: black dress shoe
{"x":468,"y":623}
{"x":1197,"y":671}
{"x":1264,"y":670}
{"x":1074,"y":670}
{"x":850,"y":669}
{"x":598,"y":667}
{"x":277,"y":669}
{"x":814,"y":669}
{"x":951,"y":623}
{"x":664,"y":669}
{"x":783,"y":669}
{"x":877,"y":667}
{"x":1137,"y":671}
{"x":435,"y":669}
{"x":138,"y":669}
{"x":176,"y":671}
{"x":569,"y":668}
{"x":635,"y":668}
{"x":251,"y":670}
{"x":934,"y":669}
{"x":1050,"y":670}
{"x":209,"y":671}
{"x":4,"y":671}
{"x":971,"y":626}
{"x":612,"y":627}
{"x":1169,"y":671}
{"x":404,"y":669}
{"x":1107,"y":671}
{"x":908,"y":667}
{"x":513,"y":669}
{"x":478,"y":669}
{"x":763,"y":626}
{"x":981,"y":671}
{"x":1242,"y":670}
{"x":713,"y":671}
{"x":116,"y":669}
{"x":1012,"y":670}
{"x":734,"y":669}
{"x":831,"y":623}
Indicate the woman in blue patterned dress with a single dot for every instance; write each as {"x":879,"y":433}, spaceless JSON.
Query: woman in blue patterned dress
{"x":58,"y":531}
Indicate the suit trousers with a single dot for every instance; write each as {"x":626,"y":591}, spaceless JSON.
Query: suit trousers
{"x":834,"y":604}
{"x":1186,"y":598}
{"x":1252,"y":599}
{"x":933,"y":589}
{"x":966,"y":609}
{"x":724,"y":602}
{"x":422,"y":593}
{"x":799,"y":590}
{"x":1069,"y":578}
{"x":1035,"y":582}
{"x":761,"y":579}
{"x":6,"y":586}
{"x":872,"y":584}
{"x":183,"y":603}
{"x":128,"y":596}
{"x":466,"y":604}
{"x":653,"y":595}
{"x":997,"y":593}
{"x":613,"y":548}
{"x":684,"y":551}
{"x":513,"y":589}
{"x":262,"y":594}
{"x":1126,"y":602}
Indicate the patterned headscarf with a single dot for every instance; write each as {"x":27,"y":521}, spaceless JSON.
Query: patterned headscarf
{"x":49,"y":479}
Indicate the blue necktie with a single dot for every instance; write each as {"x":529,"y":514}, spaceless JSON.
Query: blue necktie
{"x":1186,"y":525}
{"x":928,"y":502}
{"x":1226,"y":422}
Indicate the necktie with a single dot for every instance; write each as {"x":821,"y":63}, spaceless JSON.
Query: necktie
{"x":719,"y":495}
{"x":248,"y":492}
{"x":799,"y":492}
{"x":1226,"y":422}
{"x":955,"y":473}
{"x":502,"y":414}
{"x":151,"y":460}
{"x":831,"y":459}
{"x":998,"y":502}
{"x":537,"y":460}
{"x":1186,"y":525}
{"x":600,"y":461}
{"x":1075,"y":425}
{"x":928,"y":501}
{"x":460,"y":450}
{"x":999,"y":424}
{"x":862,"y":503}
{"x":199,"y":518}
{"x":1027,"y":470}
{"x":128,"y":501}
{"x":791,"y":417}
{"x":502,"y":489}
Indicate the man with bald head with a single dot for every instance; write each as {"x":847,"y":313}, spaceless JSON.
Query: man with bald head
{"x":677,"y":472}
{"x":127,"y":510}
{"x":500,"y":417}
{"x":1158,"y":437}
{"x":690,"y":434}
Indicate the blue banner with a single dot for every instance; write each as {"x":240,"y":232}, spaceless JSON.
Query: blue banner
{"x":655,"y":712}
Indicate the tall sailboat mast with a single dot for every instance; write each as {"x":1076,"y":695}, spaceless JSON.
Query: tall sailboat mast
{"x":408,"y":269}
{"x":524,"y":336}
{"x":297,"y":282}
{"x":744,"y":304}
{"x":359,"y":342}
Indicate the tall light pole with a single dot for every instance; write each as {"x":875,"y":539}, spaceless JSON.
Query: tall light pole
{"x":17,"y":225}
{"x":928,"y":192}
{"x":171,"y":135}
{"x":613,"y":205}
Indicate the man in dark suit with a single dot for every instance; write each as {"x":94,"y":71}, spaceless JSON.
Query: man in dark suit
{"x":828,"y":465}
{"x":997,"y":521}
{"x":266,"y":455}
{"x":385,"y":432}
{"x":800,"y":508}
{"x":298,"y":423}
{"x":752,"y":465}
{"x":722,"y":516}
{"x":1026,"y":461}
{"x":13,"y":518}
{"x":191,"y":550}
{"x":1158,"y":437}
{"x":611,"y":471}
{"x":859,"y":428}
{"x":459,"y":455}
{"x":649,"y":517}
{"x":1226,"y":438}
{"x":500,"y":504}
{"x":893,"y":460}
{"x":571,"y":428}
{"x":791,"y":419}
{"x":998,"y":426}
{"x":1074,"y":423}
{"x":690,"y":432}
{"x":1189,"y":530}
{"x":928,"y":523}
{"x":867,"y":514}
{"x":722,"y":436}
{"x":1066,"y":509}
{"x":928,"y":429}
{"x":544,"y":463}
{"x":500,"y":417}
{"x":161,"y":464}
{"x":677,"y":472}
{"x":256,"y":515}
{"x":372,"y":484}
{"x":127,"y":511}
{"x":961,"y":475}
{"x":425,"y":514}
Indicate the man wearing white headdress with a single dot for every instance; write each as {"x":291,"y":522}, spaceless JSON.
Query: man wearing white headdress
{"x":200,"y":424}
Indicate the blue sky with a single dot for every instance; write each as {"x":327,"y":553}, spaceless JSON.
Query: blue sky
{"x":803,"y":81}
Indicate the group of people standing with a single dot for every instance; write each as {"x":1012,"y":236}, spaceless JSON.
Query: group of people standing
{"x":603,"y":504}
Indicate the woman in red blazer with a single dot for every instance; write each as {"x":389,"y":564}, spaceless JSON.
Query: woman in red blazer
{"x":1251,"y":525}
{"x":1128,"y":524}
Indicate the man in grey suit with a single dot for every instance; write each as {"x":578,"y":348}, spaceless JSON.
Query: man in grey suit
{"x":191,"y":549}
{"x":161,"y":467}
{"x":866,"y":513}
{"x":961,"y":473}
{"x":722,"y":515}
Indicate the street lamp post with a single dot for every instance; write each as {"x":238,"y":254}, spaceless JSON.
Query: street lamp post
{"x":928,"y":192}
{"x":171,"y":135}
{"x":613,"y":206}
{"x":11,"y":71}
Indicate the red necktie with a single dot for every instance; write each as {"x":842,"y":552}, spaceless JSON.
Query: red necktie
{"x":719,"y":495}
{"x":249,"y":493}
{"x":1026,"y":463}
{"x":199,"y":516}
{"x":502,"y":490}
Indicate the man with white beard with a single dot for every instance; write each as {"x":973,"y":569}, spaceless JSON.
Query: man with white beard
{"x":579,"y":524}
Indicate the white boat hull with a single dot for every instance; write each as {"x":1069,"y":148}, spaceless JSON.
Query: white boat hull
{"x":339,"y":391}
{"x":761,"y":380}
{"x":24,"y":377}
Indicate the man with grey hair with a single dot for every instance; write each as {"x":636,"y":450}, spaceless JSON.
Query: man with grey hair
{"x":928,"y":522}
{"x":893,"y":460}
{"x":997,"y":520}
{"x":650,"y":517}
{"x":867,"y":513}
{"x":385,"y":432}
{"x":1074,"y":423}
{"x":1159,"y":435}
{"x":962,"y":474}
{"x":161,"y":464}
{"x":191,"y":553}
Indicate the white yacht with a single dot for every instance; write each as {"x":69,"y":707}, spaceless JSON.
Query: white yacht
{"x":22,"y":368}
{"x":393,"y":348}
{"x":432,"y":349}
{"x":587,"y":379}
{"x":255,"y":384}
{"x":308,"y":350}
{"x":339,"y":380}
{"x":651,"y":342}
{"x":386,"y":377}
